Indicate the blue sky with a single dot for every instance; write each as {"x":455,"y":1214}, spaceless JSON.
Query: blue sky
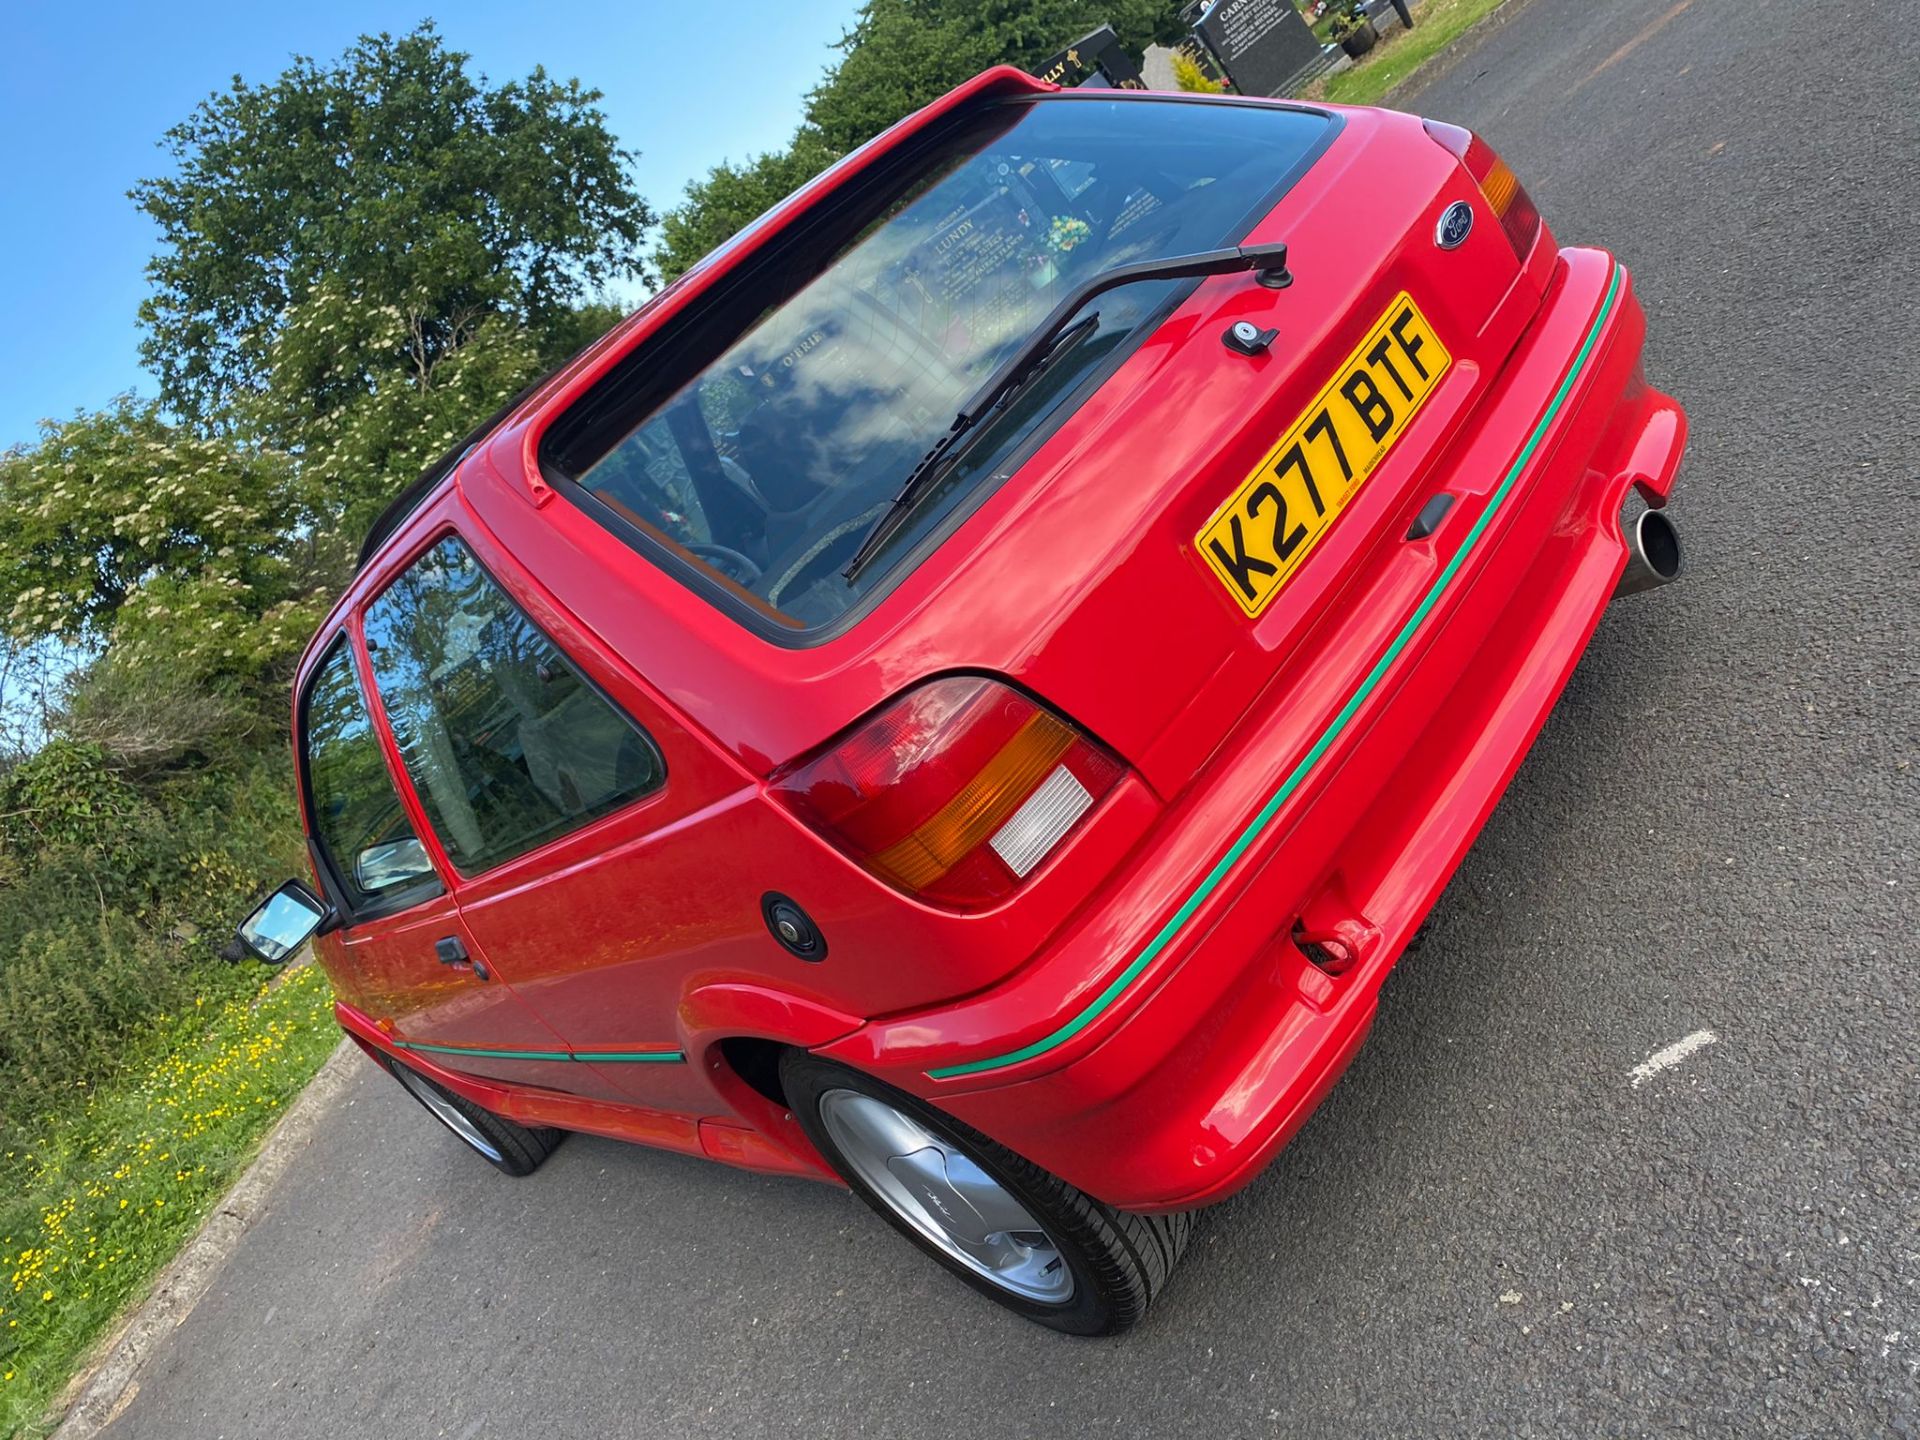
{"x":86,"y":89}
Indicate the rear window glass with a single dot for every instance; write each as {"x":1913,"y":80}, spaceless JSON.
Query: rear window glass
{"x":816,"y":386}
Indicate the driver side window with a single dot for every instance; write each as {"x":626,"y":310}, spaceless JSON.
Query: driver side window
{"x":367,"y":839}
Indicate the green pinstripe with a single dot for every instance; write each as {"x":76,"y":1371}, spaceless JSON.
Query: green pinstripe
{"x":1120,"y":983}
{"x":632,"y":1057}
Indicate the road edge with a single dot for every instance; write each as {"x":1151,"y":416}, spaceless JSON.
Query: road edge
{"x":1439,"y":66}
{"x":105,"y":1383}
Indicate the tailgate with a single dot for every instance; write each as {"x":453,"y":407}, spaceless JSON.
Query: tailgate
{"x":1279,"y":480}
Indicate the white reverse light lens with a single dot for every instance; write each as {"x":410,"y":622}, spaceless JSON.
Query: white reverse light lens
{"x":1036,"y":827}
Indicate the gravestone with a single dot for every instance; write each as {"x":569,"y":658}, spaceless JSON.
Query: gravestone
{"x":1261,"y":44}
{"x":1095,"y":61}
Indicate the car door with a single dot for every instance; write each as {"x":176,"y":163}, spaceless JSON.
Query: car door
{"x":545,"y":787}
{"x":403,"y":955}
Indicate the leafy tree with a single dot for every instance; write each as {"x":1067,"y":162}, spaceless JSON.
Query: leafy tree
{"x":899,"y":55}
{"x":358,"y":262}
{"x":719,"y":206}
{"x":1188,"y":75}
{"x":119,"y":516}
{"x":373,"y":400}
{"x":368,"y":423}
{"x":394,"y":177}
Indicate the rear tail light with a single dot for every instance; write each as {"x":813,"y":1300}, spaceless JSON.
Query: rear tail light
{"x":954,"y":792}
{"x":1505,"y":195}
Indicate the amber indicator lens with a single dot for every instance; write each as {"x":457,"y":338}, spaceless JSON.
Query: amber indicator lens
{"x":1504,"y":194}
{"x":955,"y":791}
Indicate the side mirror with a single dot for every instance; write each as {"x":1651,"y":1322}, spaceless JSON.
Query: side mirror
{"x":284,"y":921}
{"x":381,"y":867}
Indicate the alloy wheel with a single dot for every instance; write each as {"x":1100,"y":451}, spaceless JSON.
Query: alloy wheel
{"x":938,"y":1189}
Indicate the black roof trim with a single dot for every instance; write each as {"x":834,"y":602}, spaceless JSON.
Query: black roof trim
{"x":416,"y":494}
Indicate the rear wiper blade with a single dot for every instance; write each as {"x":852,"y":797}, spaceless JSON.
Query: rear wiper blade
{"x":947,"y":449}
{"x":1035,"y":351}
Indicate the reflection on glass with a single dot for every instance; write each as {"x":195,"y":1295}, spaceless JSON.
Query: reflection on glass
{"x":355,"y":807}
{"x":394,"y":863}
{"x":506,"y":744}
{"x":770,"y":464}
{"x":281,"y":926}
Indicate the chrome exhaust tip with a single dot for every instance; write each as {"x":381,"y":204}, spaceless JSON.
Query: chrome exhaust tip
{"x":1653,"y":553}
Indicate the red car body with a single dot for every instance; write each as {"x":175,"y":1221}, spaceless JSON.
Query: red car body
{"x":1164,"y":1000}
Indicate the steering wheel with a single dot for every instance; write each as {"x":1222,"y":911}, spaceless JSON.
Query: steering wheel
{"x":825,"y":548}
{"x":730,"y":562}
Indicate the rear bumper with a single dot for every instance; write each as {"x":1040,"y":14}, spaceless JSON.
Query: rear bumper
{"x":1166,"y":1046}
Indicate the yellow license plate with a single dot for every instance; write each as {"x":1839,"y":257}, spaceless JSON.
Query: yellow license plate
{"x":1273,"y":521}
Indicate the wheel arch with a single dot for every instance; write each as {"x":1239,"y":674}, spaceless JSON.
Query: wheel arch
{"x":737,"y":1030}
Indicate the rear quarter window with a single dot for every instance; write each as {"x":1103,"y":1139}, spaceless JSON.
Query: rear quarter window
{"x":508,"y":745}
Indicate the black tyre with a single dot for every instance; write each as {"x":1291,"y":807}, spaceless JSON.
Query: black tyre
{"x":1016,"y":1233}
{"x":511,"y":1149}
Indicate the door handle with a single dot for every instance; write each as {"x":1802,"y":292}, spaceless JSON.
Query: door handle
{"x":453,"y":954}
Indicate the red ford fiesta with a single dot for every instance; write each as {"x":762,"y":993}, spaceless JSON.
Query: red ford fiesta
{"x":970,"y":690}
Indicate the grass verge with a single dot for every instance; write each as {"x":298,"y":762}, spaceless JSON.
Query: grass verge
{"x":1437,"y":24}
{"x":92,"y":1209}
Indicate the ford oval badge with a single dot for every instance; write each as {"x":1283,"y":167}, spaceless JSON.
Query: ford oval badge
{"x":1454,"y":224}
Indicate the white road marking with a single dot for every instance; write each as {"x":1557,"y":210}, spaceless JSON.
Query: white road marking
{"x":1671,"y":1055}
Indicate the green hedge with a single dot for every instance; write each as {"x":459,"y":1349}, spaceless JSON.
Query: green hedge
{"x":114,"y":899}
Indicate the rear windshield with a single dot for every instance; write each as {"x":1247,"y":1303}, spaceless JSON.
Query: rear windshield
{"x":821,"y":373}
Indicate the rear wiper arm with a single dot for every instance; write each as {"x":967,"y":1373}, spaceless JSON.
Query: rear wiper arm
{"x":948,"y":449}
{"x":1034,"y":352}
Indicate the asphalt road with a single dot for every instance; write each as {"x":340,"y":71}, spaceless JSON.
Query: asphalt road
{"x":1489,"y":1227}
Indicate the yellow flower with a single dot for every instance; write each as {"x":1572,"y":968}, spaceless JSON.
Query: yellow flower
{"x":46,"y":1295}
